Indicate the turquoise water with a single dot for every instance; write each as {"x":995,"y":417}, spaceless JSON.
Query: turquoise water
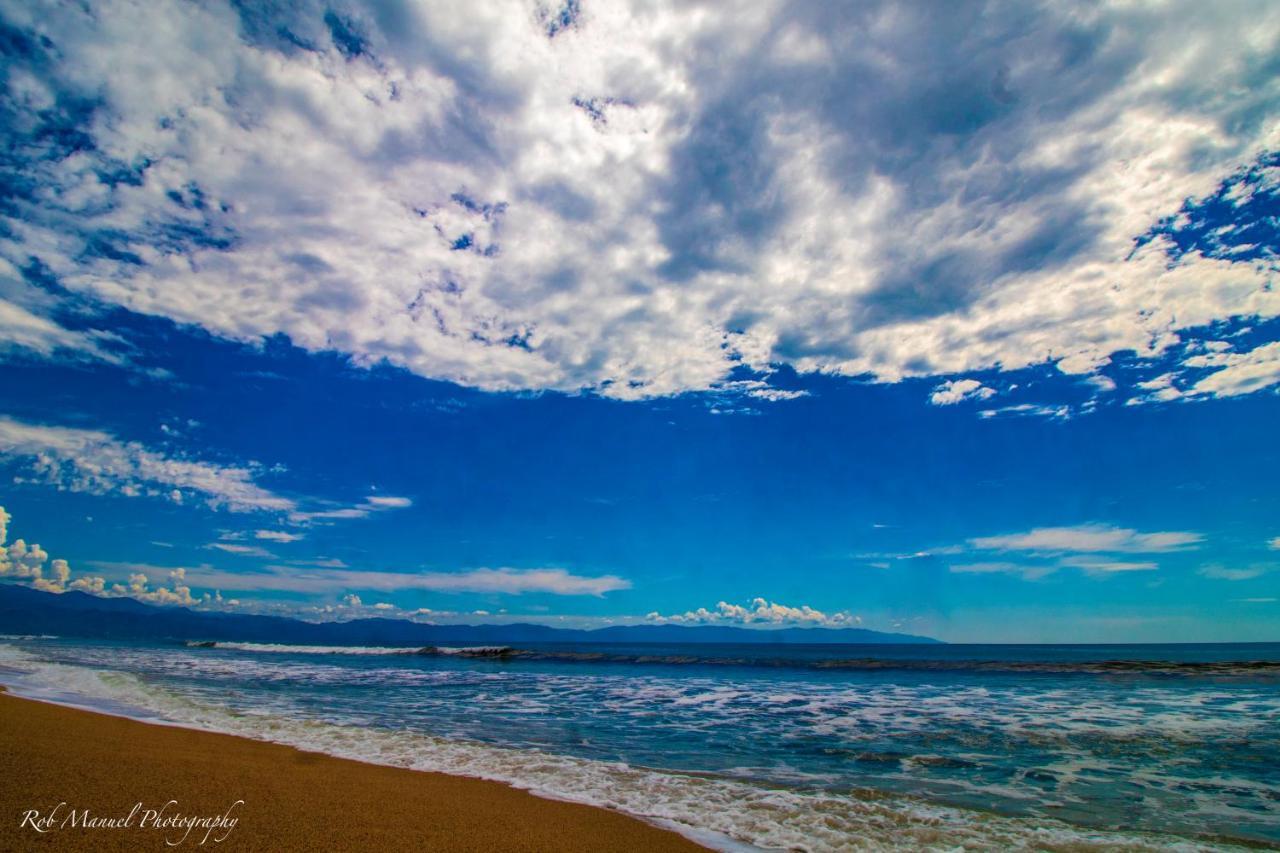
{"x":810,"y":747}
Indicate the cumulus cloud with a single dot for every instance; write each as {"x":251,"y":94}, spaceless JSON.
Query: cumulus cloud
{"x":885,"y":190}
{"x":1089,"y":538}
{"x":485,"y":580}
{"x":759,"y":610}
{"x":94,"y":585}
{"x":24,"y":562}
{"x":96,"y":462}
{"x":177,"y":592}
{"x":954,"y":391}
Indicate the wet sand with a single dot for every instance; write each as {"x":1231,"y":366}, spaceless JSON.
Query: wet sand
{"x":292,"y":800}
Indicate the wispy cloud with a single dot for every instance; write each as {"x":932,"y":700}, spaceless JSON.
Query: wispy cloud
{"x":96,"y":462}
{"x":1096,"y":549}
{"x":1217,"y":571}
{"x":505,"y":581}
{"x":23,"y":330}
{"x":241,"y":550}
{"x":1025,"y":571}
{"x":388,"y":502}
{"x":1090,"y":538}
{"x":1055,"y":412}
{"x":277,"y":535}
{"x":370,"y":505}
{"x":1105,"y":566}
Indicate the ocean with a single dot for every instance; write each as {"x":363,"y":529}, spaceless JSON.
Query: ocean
{"x":759,"y":747}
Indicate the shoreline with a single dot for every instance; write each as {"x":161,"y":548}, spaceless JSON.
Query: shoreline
{"x":123,"y":771}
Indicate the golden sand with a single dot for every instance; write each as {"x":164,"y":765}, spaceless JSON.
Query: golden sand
{"x":292,"y":800}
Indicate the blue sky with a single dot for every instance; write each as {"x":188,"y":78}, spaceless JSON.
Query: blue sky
{"x":960,"y":324}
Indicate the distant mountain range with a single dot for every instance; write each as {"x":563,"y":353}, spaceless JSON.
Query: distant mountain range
{"x":76,"y":614}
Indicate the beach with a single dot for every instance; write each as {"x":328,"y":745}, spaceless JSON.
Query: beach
{"x":292,"y":800}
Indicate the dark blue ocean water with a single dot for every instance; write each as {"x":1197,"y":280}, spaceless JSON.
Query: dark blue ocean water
{"x":811,"y":747}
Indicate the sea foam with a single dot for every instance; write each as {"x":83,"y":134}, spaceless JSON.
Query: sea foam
{"x":722,"y":812}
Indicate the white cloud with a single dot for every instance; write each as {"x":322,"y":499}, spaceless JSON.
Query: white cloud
{"x":21,"y":560}
{"x":1102,"y":384}
{"x":241,"y":550}
{"x":986,"y":568}
{"x":1238,"y":373}
{"x":1097,"y":566}
{"x":485,"y":580}
{"x":955,"y":391}
{"x":277,"y":535}
{"x":1029,"y":409}
{"x":1225,"y":573}
{"x":22,"y":330}
{"x":1090,"y":538}
{"x":1162,"y":389}
{"x":759,"y":610}
{"x":388,"y":502}
{"x":24,"y":562}
{"x":939,"y":193}
{"x":1274,"y":544}
{"x":96,"y":462}
{"x":93,"y":585}
{"x":1028,"y":572}
{"x":177,"y":592}
{"x":1106,"y":566}
{"x":371,"y":504}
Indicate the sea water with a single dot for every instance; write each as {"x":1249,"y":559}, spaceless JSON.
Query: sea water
{"x":793,"y":747}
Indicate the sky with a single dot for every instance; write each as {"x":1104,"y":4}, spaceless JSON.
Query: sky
{"x":957,"y":319}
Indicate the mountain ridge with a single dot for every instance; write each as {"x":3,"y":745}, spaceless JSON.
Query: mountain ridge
{"x":77,"y":614}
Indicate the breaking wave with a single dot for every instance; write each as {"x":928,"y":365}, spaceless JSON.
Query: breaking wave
{"x":283,"y":648}
{"x":1188,"y":669}
{"x":724,"y":813}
